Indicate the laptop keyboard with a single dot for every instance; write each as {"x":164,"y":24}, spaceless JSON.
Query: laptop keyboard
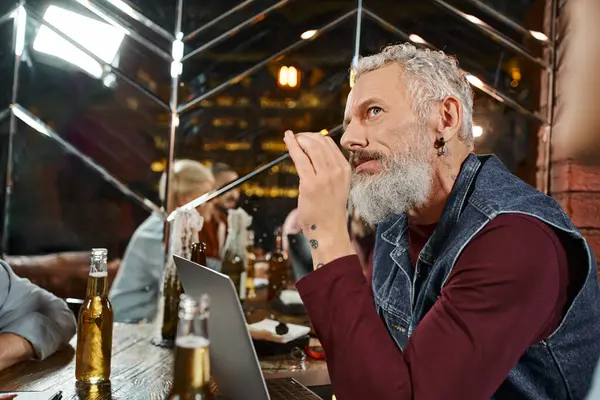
{"x":289,"y":389}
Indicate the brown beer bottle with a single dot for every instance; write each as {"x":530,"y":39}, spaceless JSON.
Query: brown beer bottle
{"x":278,"y":268}
{"x":191,"y":368}
{"x":198,"y":250}
{"x":233,"y":266}
{"x":95,"y":325}
{"x":171,"y":293}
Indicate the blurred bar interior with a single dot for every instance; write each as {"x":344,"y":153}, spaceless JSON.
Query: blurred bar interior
{"x":99,"y":98}
{"x":102,"y":119}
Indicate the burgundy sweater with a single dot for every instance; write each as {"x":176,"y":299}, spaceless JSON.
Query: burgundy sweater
{"x":508,"y":290}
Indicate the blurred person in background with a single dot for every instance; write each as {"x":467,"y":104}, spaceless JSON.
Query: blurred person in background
{"x":214,"y":232}
{"x":291,"y":226}
{"x":34,"y":323}
{"x":135,"y":290}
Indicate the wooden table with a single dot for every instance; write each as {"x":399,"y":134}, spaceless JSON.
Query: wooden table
{"x":139,"y":370}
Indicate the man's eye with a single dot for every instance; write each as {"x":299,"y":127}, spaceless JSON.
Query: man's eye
{"x":373,"y":111}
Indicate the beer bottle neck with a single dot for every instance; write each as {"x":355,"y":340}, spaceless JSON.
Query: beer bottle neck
{"x":98,"y":277}
{"x":193,"y":317}
{"x":191,"y":369}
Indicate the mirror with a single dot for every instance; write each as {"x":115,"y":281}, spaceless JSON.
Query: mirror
{"x":93,"y":112}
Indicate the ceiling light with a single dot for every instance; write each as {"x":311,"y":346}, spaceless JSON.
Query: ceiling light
{"x":308,"y":34}
{"x":475,"y":81}
{"x":416,"y":39}
{"x":177,"y":50}
{"x":97,"y":37}
{"x":477,"y":131}
{"x":176,"y":69}
{"x":21,"y":17}
{"x":539,"y":36}
{"x":292,"y":77}
{"x":474,"y":19}
{"x":288,"y":76}
{"x":109,"y":80}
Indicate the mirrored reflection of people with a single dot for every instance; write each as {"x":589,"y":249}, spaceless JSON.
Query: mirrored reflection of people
{"x":34,"y":323}
{"x":214,"y":231}
{"x":481,"y":286}
{"x":291,"y":226}
{"x":135,"y":290}
{"x":295,"y":244}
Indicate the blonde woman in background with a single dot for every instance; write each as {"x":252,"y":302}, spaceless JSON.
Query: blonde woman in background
{"x":134,"y":293}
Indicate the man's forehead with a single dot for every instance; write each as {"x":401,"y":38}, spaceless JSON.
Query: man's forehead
{"x":382,"y":83}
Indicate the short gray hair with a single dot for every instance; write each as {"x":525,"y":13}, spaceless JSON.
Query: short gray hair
{"x":432,"y":75}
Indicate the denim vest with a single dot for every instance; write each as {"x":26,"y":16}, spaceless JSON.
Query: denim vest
{"x":560,"y":367}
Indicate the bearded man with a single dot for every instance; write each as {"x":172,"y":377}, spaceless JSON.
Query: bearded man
{"x":481,"y":286}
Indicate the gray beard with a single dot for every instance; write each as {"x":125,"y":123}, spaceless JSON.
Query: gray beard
{"x":404,"y":184}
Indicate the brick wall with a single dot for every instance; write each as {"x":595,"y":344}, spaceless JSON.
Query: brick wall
{"x":574,"y":155}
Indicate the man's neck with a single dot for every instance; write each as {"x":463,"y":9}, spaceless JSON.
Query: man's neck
{"x":430,"y":212}
{"x":442,"y":185}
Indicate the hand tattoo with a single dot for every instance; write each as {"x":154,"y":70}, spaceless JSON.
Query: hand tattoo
{"x":313,"y":227}
{"x":314,"y":244}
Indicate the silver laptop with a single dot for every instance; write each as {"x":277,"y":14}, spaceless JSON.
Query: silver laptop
{"x":233,"y":361}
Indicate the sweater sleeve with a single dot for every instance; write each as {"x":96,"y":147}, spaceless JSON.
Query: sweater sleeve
{"x":34,"y":314}
{"x":508,"y":276}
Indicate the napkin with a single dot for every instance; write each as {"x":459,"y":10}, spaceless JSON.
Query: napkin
{"x":265,"y":330}
{"x":288,"y":297}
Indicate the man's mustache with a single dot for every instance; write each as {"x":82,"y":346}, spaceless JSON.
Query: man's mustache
{"x":360,"y":156}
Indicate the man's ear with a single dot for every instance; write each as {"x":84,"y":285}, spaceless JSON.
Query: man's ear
{"x":449,"y":117}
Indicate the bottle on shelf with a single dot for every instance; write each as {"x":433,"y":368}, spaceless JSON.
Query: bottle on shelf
{"x":191,"y":366}
{"x":95,"y":325}
{"x":278,"y":268}
{"x":250,"y":262}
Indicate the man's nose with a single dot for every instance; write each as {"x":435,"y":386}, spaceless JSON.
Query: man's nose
{"x":353,"y":138}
